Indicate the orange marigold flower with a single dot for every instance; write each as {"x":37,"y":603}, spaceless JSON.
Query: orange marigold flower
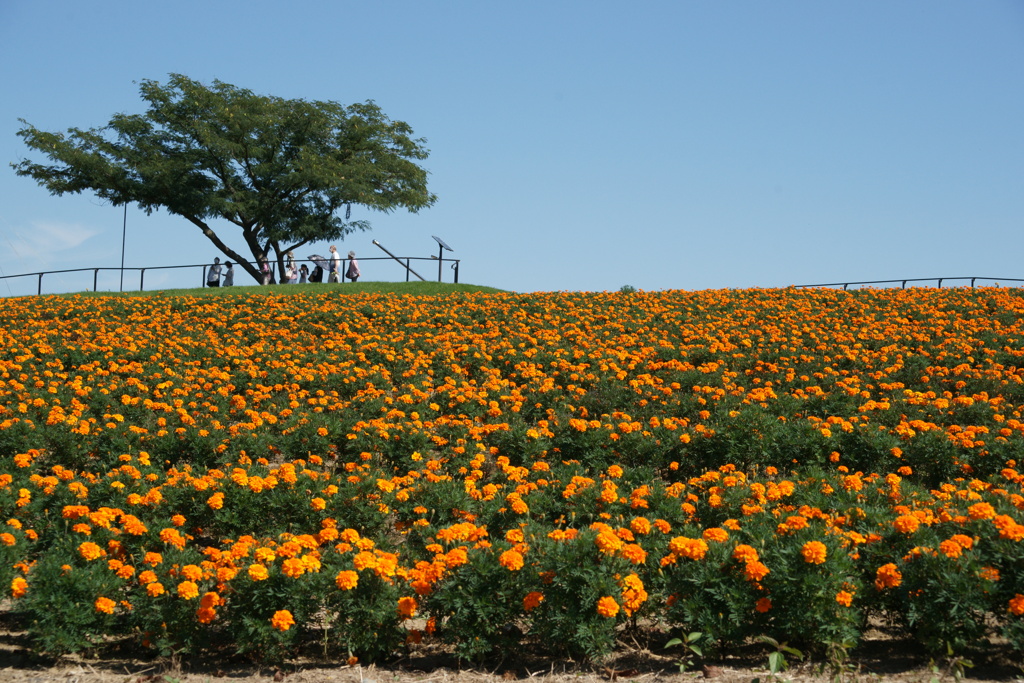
{"x":346,"y":580}
{"x":692,"y":548}
{"x":407,"y":607}
{"x":989,"y":573}
{"x":105,"y":605}
{"x":607,"y":607}
{"x":192,"y":572}
{"x":716,"y":535}
{"x":608,"y":541}
{"x":981,"y":511}
{"x":511,"y":560}
{"x":19,"y":587}
{"x":888,"y":576}
{"x":906,"y":524}
{"x":210,"y":599}
{"x":293,"y":567}
{"x":951,"y":549}
{"x":282,"y":620}
{"x":90,"y":551}
{"x":745,"y":553}
{"x":205,"y":615}
{"x":188,"y":590}
{"x":257,"y":572}
{"x":763,"y":605}
{"x":364,"y":560}
{"x":633,"y":594}
{"x":1016,"y":605}
{"x":844,"y":598}
{"x":814,"y":552}
{"x":532,"y":600}
{"x":634,"y":553}
{"x":755,"y":571}
{"x":154,"y":589}
{"x":640,"y":525}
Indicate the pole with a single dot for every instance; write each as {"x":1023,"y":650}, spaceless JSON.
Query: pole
{"x":406,"y":264}
{"x":440,"y":261}
{"x":124,"y":235}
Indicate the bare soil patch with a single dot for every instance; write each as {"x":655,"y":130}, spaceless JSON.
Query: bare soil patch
{"x":880,"y":657}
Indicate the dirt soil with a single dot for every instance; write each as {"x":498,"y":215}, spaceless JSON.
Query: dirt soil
{"x":880,"y":657}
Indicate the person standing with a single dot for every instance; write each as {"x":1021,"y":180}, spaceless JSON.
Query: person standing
{"x":213,"y":276}
{"x":291,"y":269}
{"x":353,"y":267}
{"x":335,"y":275}
{"x":229,"y":275}
{"x":303,"y":274}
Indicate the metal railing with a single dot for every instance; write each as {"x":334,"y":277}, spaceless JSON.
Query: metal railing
{"x":404,"y":261}
{"x":903,"y":283}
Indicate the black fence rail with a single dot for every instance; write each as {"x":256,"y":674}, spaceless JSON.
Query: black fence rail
{"x":903,"y":283}
{"x":202,"y":268}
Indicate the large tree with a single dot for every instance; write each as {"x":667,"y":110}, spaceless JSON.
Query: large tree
{"x":286,"y":172}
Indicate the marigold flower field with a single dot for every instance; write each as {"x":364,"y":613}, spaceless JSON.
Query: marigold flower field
{"x":368,"y":473}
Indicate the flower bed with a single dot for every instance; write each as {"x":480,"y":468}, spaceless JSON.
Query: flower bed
{"x":272,"y":470}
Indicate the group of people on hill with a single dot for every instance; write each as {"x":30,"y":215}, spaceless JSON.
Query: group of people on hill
{"x":292,"y":275}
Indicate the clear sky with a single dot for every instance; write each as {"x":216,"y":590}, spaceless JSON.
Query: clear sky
{"x":575,"y":145}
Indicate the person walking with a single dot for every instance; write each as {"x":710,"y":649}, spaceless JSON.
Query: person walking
{"x":353,"y":267}
{"x":213,"y":276}
{"x":335,"y":275}
{"x":229,"y":275}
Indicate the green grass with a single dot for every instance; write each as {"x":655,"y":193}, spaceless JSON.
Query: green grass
{"x":401,"y":288}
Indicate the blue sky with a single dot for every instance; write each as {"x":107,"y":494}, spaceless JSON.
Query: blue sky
{"x":575,"y":145}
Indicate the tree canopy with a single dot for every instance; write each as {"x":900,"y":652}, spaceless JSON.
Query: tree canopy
{"x":284,"y":171}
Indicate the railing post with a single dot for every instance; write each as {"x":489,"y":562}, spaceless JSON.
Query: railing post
{"x":95,"y":277}
{"x":406,"y":269}
{"x":456,"y":271}
{"x":39,"y":289}
{"x":904,"y":285}
{"x":940,"y":282}
{"x":972,"y":282}
{"x":142,"y":277}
